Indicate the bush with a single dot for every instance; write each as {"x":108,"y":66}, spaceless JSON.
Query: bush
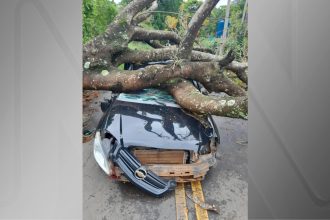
{"x":97,"y":14}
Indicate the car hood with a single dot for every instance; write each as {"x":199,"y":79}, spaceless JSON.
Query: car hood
{"x":155,"y":126}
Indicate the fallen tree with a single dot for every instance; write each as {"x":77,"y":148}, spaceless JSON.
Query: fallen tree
{"x":103,"y":55}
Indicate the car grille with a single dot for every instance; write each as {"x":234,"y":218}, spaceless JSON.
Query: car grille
{"x":160,"y":156}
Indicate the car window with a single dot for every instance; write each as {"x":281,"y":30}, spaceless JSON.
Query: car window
{"x":149,"y":96}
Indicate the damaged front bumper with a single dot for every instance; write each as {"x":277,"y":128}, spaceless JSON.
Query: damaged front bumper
{"x":155,"y":179}
{"x":139,"y":175}
{"x":131,"y":167}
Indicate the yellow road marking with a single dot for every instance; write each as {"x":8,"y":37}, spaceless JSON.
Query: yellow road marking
{"x":201,"y":214}
{"x":180,"y":202}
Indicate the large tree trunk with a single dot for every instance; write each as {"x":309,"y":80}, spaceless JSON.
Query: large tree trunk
{"x":104,"y":53}
{"x":206,"y":73}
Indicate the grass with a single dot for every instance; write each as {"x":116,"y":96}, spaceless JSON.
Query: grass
{"x":139,"y":46}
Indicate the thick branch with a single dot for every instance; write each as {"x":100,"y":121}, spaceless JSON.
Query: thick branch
{"x":157,"y":45}
{"x":237,"y":66}
{"x":194,"y":25}
{"x":133,"y":8}
{"x":145,"y":14}
{"x":154,"y":43}
{"x":204,"y":49}
{"x":239,"y":69}
{"x":188,"y":97}
{"x":141,"y":34}
{"x":167,"y":53}
{"x":206,"y":73}
{"x":135,"y":56}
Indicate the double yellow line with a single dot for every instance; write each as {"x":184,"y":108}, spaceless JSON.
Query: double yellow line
{"x":181,"y":205}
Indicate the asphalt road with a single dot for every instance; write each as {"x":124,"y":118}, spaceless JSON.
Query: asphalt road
{"x":225,"y":185}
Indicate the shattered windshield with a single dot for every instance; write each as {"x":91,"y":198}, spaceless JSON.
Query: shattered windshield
{"x":149,"y":96}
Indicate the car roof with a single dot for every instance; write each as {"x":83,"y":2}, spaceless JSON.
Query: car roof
{"x":149,"y":96}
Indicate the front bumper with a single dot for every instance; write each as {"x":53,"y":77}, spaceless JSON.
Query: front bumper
{"x":178,"y":172}
{"x":155,"y":179}
{"x":149,"y":181}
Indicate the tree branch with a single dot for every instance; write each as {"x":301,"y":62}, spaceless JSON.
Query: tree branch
{"x":204,"y":49}
{"x":167,"y":53}
{"x":207,"y":73}
{"x":188,"y":97}
{"x":239,"y":69}
{"x":194,"y":25}
{"x":141,"y":34}
{"x":145,"y":14}
{"x":154,"y":43}
{"x":133,"y":8}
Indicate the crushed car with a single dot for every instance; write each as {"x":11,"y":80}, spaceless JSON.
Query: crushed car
{"x":147,"y":139}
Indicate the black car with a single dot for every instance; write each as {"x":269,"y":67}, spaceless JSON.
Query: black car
{"x":146,"y":138}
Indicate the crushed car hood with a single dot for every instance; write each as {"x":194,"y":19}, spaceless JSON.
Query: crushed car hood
{"x":155,"y":126}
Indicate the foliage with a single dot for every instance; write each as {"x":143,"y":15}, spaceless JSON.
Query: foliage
{"x":208,"y":42}
{"x":238,"y":35}
{"x":237,"y":39}
{"x":97,"y":14}
{"x":87,"y":9}
{"x":186,"y":10}
{"x":208,"y":29}
{"x":135,"y":45}
{"x":171,"y":22}
{"x":125,"y":2}
{"x":158,"y":20}
{"x":190,"y":7}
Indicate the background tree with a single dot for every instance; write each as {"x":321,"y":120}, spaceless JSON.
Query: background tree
{"x":225,"y":28}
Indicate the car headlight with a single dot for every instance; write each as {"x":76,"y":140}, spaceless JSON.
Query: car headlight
{"x":100,"y":155}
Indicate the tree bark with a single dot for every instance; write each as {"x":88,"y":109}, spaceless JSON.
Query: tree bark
{"x":145,"y":14}
{"x":168,"y":53}
{"x":154,"y":75}
{"x":141,"y":34}
{"x":239,"y":69}
{"x":187,"y":96}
